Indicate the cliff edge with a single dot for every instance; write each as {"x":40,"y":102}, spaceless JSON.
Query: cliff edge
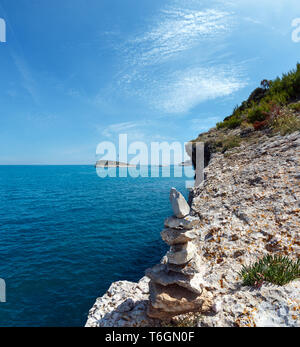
{"x":247,"y":207}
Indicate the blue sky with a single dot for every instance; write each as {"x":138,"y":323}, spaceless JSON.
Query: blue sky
{"x":76,"y":72}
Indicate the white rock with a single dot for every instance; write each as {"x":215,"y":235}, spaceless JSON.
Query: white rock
{"x":179,"y":205}
{"x":160,"y":275}
{"x":173,"y":236}
{"x":191,"y":268}
{"x":181,"y":254}
{"x":174,"y":300}
{"x":217,"y":306}
{"x":188,"y":222}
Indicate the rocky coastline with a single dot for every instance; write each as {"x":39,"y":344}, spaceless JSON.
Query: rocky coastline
{"x":248,"y":206}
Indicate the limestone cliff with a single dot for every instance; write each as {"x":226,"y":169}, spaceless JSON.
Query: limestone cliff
{"x":248,"y":206}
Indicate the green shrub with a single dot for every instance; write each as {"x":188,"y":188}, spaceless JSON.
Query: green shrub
{"x":258,"y":113}
{"x":287,"y":86}
{"x":220,"y":125}
{"x":280,"y":98}
{"x":230,"y":123}
{"x":274,"y":269}
{"x":280,"y":91}
{"x":256,"y":96}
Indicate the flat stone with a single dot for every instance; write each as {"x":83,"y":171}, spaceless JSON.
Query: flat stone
{"x":159,"y":274}
{"x":188,"y":222}
{"x":179,"y":205}
{"x":174,"y":300}
{"x":181,"y":254}
{"x":174,"y":236}
{"x":191,"y":268}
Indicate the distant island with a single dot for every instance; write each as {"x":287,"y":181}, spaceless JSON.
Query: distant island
{"x":111,"y":163}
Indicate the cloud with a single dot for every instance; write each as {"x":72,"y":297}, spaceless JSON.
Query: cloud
{"x":272,"y":15}
{"x":120,"y":128}
{"x":175,"y":31}
{"x":184,"y":89}
{"x":29,"y":82}
{"x":144,"y":130}
{"x":177,"y":61}
{"x":196,"y":85}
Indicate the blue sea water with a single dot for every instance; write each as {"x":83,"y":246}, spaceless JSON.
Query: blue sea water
{"x":66,"y":234}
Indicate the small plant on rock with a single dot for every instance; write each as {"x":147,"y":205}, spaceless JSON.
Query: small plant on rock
{"x":275,"y":269}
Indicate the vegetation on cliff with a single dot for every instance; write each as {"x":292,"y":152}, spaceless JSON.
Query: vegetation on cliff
{"x":275,"y":269}
{"x":272,"y":108}
{"x":263,"y":106}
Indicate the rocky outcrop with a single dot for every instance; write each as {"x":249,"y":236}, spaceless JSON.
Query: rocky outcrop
{"x":248,"y":206}
{"x":123,"y":305}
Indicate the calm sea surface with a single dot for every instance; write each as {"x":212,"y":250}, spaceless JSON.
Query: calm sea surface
{"x":66,"y":234}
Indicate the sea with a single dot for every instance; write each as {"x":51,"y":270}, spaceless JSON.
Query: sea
{"x":68,"y":232}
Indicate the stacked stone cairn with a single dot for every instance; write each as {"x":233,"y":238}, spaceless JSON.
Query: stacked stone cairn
{"x":175,"y":284}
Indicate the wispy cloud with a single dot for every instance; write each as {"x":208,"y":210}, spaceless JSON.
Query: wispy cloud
{"x":143,"y":130}
{"x":28,"y":81}
{"x":120,"y":128}
{"x":175,"y":31}
{"x":184,"y":89}
{"x":157,"y":69}
{"x":193,"y":86}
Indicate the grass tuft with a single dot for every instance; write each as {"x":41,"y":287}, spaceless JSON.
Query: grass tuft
{"x":275,"y":269}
